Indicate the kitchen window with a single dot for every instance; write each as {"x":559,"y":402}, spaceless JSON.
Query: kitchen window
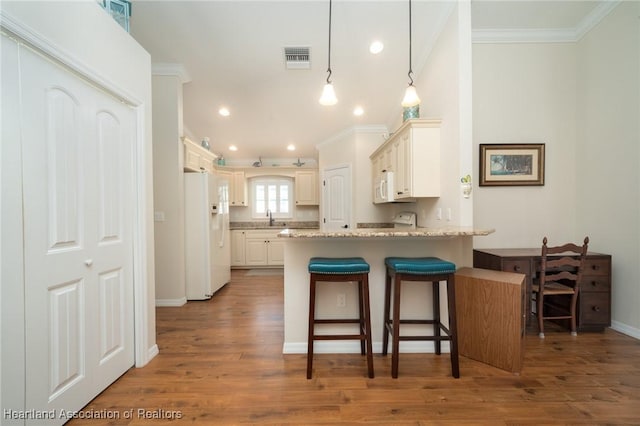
{"x":272,"y":193}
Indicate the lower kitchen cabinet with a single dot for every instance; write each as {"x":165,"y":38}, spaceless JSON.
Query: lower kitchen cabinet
{"x":238,"y":256}
{"x":260,"y":247}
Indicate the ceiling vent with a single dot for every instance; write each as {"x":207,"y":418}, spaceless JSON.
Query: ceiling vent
{"x":297,"y":58}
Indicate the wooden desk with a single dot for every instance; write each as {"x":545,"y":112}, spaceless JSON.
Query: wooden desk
{"x":594,"y":299}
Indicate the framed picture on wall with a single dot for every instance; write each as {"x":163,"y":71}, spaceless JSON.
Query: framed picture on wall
{"x":511,"y":164}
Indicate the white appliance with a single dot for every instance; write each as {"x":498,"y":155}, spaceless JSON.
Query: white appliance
{"x":383,"y":188}
{"x":404,"y":220}
{"x":207,"y":247}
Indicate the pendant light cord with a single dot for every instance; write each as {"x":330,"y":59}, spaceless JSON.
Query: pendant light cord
{"x":329,"y":59}
{"x":410,"y":70}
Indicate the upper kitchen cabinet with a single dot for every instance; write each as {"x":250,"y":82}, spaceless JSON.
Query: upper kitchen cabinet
{"x":196,"y":158}
{"x":237,"y":186}
{"x":306,"y":188}
{"x":413,"y":155}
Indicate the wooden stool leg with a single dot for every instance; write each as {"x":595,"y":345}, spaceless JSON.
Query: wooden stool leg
{"x":395,"y":336}
{"x":361,"y":310}
{"x":387,"y":311}
{"x":367,"y":324}
{"x":435,"y":286}
{"x":312,"y":308}
{"x":453,"y":326}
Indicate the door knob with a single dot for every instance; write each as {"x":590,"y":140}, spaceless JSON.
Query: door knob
{"x":88,"y":262}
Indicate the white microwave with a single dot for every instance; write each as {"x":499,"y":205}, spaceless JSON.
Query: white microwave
{"x":383,"y":188}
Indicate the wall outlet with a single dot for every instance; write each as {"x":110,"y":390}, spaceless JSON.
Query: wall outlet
{"x":449,"y":214}
{"x":342,"y":300}
{"x":439,"y":213}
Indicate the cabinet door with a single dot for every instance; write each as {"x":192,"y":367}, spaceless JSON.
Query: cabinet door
{"x":238,"y":257}
{"x":403,"y":165}
{"x":275,"y":251}
{"x":306,"y":183}
{"x":256,"y":251}
{"x":239,"y":197}
{"x":191,"y":159}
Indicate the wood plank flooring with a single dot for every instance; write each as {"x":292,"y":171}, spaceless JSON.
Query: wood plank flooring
{"x":221,"y":363}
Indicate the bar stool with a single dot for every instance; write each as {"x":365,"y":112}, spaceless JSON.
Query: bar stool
{"x":352,"y":269}
{"x":429,"y":269}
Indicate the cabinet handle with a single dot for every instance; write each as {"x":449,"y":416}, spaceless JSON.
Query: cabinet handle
{"x":595,"y":267}
{"x":596,"y":308}
{"x":88,"y":262}
{"x":516,"y":268}
{"x":345,"y":226}
{"x":593,"y":283}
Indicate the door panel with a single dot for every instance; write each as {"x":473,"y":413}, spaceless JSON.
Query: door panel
{"x":77,"y":145}
{"x":337,"y":198}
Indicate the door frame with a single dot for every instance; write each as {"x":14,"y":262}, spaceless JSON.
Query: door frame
{"x":26,"y":37}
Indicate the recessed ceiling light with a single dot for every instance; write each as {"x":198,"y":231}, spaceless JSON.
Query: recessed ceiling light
{"x":291,"y":147}
{"x":376,"y":47}
{"x":233,"y":148}
{"x":358,"y":111}
{"x":224,"y":111}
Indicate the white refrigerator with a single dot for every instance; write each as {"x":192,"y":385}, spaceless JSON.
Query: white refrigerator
{"x":207,"y":248}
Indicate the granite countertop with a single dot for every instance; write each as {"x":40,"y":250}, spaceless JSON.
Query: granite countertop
{"x":261,"y":224}
{"x":447,"y":232}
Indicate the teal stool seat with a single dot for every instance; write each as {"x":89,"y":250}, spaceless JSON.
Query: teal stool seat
{"x":347,"y":270}
{"x":422,"y":269}
{"x":344,"y":265}
{"x":420,"y":265}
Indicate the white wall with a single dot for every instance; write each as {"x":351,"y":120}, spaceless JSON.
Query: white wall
{"x":444,"y":86}
{"x":168,"y":183}
{"x":353,"y":146}
{"x":608,"y":153}
{"x":582,"y":100}
{"x":526,"y":93}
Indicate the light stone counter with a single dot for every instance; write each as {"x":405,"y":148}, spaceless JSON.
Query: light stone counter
{"x":386,"y":233}
{"x":454,"y":244}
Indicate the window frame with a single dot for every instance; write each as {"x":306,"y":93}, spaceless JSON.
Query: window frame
{"x":270,"y":180}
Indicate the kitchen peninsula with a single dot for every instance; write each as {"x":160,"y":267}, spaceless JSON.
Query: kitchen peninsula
{"x":373,"y":244}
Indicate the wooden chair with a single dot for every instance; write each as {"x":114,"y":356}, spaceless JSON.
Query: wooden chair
{"x":560,"y":275}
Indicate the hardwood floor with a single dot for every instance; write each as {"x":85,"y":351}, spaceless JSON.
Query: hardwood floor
{"x":221,"y":363}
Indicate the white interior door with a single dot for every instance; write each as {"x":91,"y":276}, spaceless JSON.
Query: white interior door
{"x":78,"y":208}
{"x":337,"y":198}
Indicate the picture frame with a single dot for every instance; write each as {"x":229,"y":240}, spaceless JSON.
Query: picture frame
{"x":511,"y":164}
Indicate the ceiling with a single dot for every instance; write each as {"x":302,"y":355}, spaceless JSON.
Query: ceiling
{"x":232,"y":52}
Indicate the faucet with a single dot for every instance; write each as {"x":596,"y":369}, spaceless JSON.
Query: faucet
{"x":270,"y":217}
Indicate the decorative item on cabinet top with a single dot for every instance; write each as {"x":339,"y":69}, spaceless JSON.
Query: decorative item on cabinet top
{"x":197,"y":158}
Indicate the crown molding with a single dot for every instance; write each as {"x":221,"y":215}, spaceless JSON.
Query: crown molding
{"x":547,"y":35}
{"x":179,"y":70}
{"x":373,"y":128}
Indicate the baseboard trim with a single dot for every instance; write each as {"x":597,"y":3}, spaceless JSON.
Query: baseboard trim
{"x":171,"y":302}
{"x":625,"y":329}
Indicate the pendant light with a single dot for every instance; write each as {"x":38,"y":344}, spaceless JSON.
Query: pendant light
{"x":328,"y":97}
{"x":410,"y":95}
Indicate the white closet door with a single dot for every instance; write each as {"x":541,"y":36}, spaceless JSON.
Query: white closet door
{"x":77,"y":163}
{"x":337,"y":199}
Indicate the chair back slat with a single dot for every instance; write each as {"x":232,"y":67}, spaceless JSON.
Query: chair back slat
{"x":567,"y":268}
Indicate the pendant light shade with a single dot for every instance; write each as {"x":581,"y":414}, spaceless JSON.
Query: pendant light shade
{"x":411,"y":98}
{"x":328,"y":97}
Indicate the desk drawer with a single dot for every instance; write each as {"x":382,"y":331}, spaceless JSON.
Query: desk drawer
{"x":595,"y":283}
{"x":517,"y":266}
{"x":594,"y":309}
{"x":597,"y":267}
